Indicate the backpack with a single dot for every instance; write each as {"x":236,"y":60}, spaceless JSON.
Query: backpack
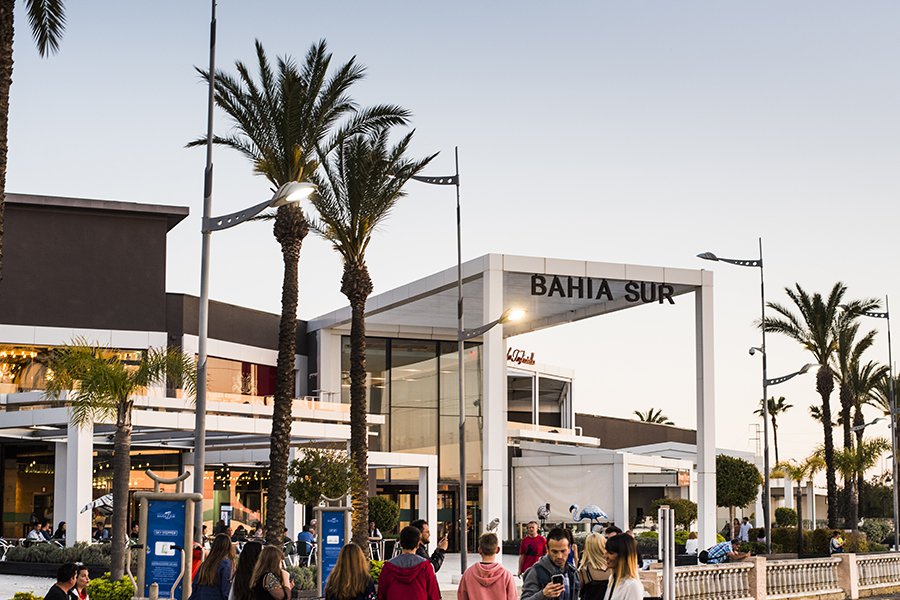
{"x":703,"y":556}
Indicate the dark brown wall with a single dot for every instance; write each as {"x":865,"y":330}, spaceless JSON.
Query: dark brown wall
{"x":617,"y":433}
{"x":227,"y":322}
{"x":68,"y":267}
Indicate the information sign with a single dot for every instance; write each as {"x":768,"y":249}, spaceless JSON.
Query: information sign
{"x":165,"y":534}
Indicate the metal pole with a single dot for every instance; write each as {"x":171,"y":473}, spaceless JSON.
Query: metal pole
{"x":463,"y":492}
{"x":203,"y":325}
{"x":767,"y":517}
{"x":893,"y":406}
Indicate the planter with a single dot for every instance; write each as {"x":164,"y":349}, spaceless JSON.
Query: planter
{"x":35,"y":569}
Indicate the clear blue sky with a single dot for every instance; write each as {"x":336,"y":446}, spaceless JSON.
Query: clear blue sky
{"x":632,"y":132}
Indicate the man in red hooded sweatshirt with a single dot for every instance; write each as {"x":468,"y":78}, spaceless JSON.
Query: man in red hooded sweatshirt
{"x":408,"y":576}
{"x":487,"y":580}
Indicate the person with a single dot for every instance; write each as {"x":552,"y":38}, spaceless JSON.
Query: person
{"x":60,"y":533}
{"x":269,"y":580}
{"x":135,"y":532}
{"x":47,"y":531}
{"x":573,"y":550}
{"x":538,"y":583}
{"x":622,"y":556}
{"x":437,"y":557}
{"x":101,"y":534}
{"x":836,"y":545}
{"x":487,"y":580}
{"x":723,"y":552}
{"x":409,"y":576}
{"x":240,"y":534}
{"x":305,"y":541}
{"x":65,"y":581}
{"x":692,"y":545}
{"x":761,"y":535}
{"x":612,"y":531}
{"x":213,"y":579}
{"x":35,"y":534}
{"x":736,"y":529}
{"x":82,"y":579}
{"x":593,"y":571}
{"x":219,"y":527}
{"x":532,"y":548}
{"x":240,"y":585}
{"x":744,"y":534}
{"x":374,"y":532}
{"x":350,"y":578}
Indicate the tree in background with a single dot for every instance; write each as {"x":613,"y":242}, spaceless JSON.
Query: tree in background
{"x":776,"y":407}
{"x":385,"y":512}
{"x":319,"y":474}
{"x":852,"y":462}
{"x":283,"y":123}
{"x":864,"y":382}
{"x":47,"y":19}
{"x":737,"y":483}
{"x":653,"y":415}
{"x":100,"y":385}
{"x":685,"y":510}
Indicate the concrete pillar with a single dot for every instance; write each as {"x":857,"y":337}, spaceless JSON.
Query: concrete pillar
{"x":620,"y":491}
{"x":187,"y":462}
{"x":79,"y":475}
{"x":494,"y":446}
{"x":811,"y":503}
{"x":848,"y":575}
{"x":428,"y":494}
{"x":759,"y":512}
{"x":329,"y":369}
{"x":706,"y":414}
{"x":294,"y":513}
{"x":757,"y":577}
{"x":59,"y":483}
{"x":788,"y":492}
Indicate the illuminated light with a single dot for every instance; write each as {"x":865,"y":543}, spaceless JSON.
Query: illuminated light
{"x":515,"y":314}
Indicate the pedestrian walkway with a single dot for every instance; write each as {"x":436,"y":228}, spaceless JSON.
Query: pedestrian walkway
{"x":10,"y":584}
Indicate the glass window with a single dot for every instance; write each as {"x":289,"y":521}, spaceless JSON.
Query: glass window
{"x":377,"y":392}
{"x":519,"y":390}
{"x":414,"y":400}
{"x":553,"y":396}
{"x":448,"y":459}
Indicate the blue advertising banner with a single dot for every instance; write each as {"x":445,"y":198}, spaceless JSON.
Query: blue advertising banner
{"x":333,"y":527}
{"x":165,"y":532}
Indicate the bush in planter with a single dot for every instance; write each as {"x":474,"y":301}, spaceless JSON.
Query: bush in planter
{"x":26,"y":596}
{"x":650,"y":535}
{"x":876,"y":547}
{"x":385,"y":512}
{"x":685,"y":510}
{"x":648,"y":546}
{"x":375,"y":569}
{"x":304,"y":578}
{"x":785,"y":517}
{"x":681,"y":536}
{"x":89,"y":554}
{"x":877,"y":530}
{"x":104,"y":589}
{"x":856,"y":542}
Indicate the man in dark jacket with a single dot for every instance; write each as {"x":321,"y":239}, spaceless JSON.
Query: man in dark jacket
{"x":437,"y":557}
{"x":538,"y":583}
{"x":408,"y":576}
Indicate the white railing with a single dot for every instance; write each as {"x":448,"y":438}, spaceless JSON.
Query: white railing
{"x":786,"y":578}
{"x":878,"y":570}
{"x":713,"y":582}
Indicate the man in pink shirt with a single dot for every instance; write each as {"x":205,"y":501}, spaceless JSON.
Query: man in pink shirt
{"x":487,"y":580}
{"x":532,"y":548}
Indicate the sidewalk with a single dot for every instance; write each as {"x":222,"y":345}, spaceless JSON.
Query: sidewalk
{"x":10,"y":584}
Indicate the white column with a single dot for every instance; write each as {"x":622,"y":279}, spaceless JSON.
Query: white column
{"x":428,"y":493}
{"x":706,"y":414}
{"x":494,"y":446}
{"x":788,"y":492}
{"x":59,"y":483}
{"x":329,"y":367}
{"x":758,"y":511}
{"x":294,"y":513}
{"x":620,"y":491}
{"x":79,"y":476}
{"x":187,"y":462}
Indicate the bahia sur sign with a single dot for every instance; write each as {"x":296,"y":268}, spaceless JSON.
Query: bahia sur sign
{"x":554,"y":286}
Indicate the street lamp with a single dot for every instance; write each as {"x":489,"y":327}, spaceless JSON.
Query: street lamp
{"x":754,"y":262}
{"x":892,"y":404}
{"x":864,"y":425}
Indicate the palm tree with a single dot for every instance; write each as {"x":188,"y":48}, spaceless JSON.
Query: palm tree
{"x":797,"y":472}
{"x":864,"y":381}
{"x":776,"y":407}
{"x":853,"y":463}
{"x":47,"y":19}
{"x":100,"y":386}
{"x":362,"y":181}
{"x":814,"y":330}
{"x":283,"y":124}
{"x":847,"y":354}
{"x":653,"y":415}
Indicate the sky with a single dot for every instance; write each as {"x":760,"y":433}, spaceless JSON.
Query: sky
{"x":634,"y":132}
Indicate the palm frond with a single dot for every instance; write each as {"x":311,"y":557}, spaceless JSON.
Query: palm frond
{"x":47,"y":19}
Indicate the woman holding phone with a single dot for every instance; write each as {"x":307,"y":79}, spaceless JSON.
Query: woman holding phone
{"x":621,"y":555}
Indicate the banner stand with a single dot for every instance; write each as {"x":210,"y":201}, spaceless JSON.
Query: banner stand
{"x":333,"y":533}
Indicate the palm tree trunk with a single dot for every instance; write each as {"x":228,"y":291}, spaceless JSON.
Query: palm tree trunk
{"x":6,"y":68}
{"x":290,"y":229}
{"x":357,"y":285}
{"x":847,"y":426}
{"x":775,"y":437}
{"x":121,"y":479}
{"x":825,"y":385}
{"x":858,"y":421}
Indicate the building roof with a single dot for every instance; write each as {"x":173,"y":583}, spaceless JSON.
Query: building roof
{"x":615,"y":432}
{"x":551,"y":291}
{"x":173,"y":214}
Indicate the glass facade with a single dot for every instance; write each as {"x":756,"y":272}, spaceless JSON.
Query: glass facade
{"x":414,"y":384}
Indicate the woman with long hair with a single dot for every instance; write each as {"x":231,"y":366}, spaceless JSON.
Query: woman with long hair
{"x":240,"y":585}
{"x":350,"y":579}
{"x":621,"y":555}
{"x":213,"y":578}
{"x":594,"y":571}
{"x":269,"y":580}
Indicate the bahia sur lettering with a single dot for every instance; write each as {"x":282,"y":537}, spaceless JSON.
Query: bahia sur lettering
{"x":585,"y":287}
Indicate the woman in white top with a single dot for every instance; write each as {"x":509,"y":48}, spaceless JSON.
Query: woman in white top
{"x":692,"y":546}
{"x":621,"y":555}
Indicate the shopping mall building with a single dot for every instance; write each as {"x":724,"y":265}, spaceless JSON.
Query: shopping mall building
{"x":91,"y":269}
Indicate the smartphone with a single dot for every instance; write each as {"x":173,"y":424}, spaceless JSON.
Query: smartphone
{"x":557,"y":579}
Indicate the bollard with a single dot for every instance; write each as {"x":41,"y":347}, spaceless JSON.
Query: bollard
{"x":154,"y":591}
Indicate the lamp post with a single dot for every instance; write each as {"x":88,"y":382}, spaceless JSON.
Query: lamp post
{"x":892,"y":405}
{"x":767,"y":518}
{"x":286,"y":194}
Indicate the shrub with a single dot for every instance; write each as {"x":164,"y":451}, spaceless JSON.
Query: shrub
{"x":89,"y":554}
{"x":685,"y":510}
{"x":648,"y":546}
{"x":320,"y":473}
{"x":877,"y":530}
{"x":304,"y":578}
{"x":375,"y":569}
{"x":104,"y":589}
{"x":385,"y":512}
{"x":681,"y":536}
{"x":856,"y":542}
{"x":650,"y":535}
{"x":785,"y":517}
{"x":26,"y":596}
{"x":817,"y":541}
{"x":876,"y":547}
{"x":719,"y":538}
